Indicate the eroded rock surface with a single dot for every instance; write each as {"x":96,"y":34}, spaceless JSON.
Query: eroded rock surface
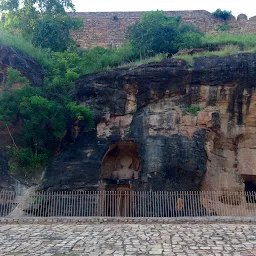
{"x":11,"y":58}
{"x":7,"y":183}
{"x":212,"y":149}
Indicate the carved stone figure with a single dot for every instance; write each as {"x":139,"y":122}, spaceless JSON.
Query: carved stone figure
{"x":125,"y":169}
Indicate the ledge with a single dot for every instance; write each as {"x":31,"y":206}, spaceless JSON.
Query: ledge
{"x":178,"y":220}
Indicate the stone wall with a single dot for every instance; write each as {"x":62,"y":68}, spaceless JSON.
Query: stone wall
{"x":108,"y":28}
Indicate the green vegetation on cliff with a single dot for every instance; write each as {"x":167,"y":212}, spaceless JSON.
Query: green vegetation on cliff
{"x":47,"y":114}
{"x":45,"y":23}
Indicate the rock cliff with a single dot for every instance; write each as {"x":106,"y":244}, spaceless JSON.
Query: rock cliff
{"x":11,"y":58}
{"x":149,"y":113}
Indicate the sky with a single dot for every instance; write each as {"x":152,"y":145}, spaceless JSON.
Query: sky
{"x":236,"y":6}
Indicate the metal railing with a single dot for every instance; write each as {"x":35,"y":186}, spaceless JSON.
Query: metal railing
{"x":138,"y":204}
{"x":7,"y":202}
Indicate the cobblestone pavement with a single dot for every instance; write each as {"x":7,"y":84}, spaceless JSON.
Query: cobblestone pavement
{"x":128,"y":239}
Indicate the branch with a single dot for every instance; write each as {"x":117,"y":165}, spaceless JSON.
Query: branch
{"x":11,"y":137}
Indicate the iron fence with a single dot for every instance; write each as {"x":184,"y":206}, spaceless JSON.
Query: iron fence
{"x":138,"y":204}
{"x":7,"y":202}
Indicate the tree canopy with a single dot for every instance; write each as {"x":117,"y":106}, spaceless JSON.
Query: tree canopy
{"x":157,"y":33}
{"x":224,"y":15}
{"x":43,"y":22}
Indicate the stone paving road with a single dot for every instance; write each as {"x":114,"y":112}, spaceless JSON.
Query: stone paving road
{"x":128,"y":239}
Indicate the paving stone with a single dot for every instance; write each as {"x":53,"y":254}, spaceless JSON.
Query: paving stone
{"x":124,"y":239}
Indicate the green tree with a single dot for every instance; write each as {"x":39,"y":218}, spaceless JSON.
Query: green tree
{"x":44,"y":115}
{"x":224,"y":15}
{"x":157,"y":33}
{"x":44,"y":22}
{"x":191,"y":37}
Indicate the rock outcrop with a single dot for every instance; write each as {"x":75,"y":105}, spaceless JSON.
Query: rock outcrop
{"x":178,"y":147}
{"x":11,"y":58}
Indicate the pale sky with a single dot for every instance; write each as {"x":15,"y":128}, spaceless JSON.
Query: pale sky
{"x":247,"y":7}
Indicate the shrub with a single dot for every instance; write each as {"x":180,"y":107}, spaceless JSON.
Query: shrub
{"x":193,"y":109}
{"x":27,"y":158}
{"x":44,"y":113}
{"x":45,"y":23}
{"x":14,"y":76}
{"x":243,"y":41}
{"x":157,"y":33}
{"x":223,"y":27}
{"x":224,"y":15}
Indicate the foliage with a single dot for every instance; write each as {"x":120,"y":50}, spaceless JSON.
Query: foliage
{"x":224,"y":15}
{"x":225,"y":51}
{"x":223,"y":27}
{"x":52,"y":6}
{"x":53,"y":33}
{"x":20,"y":44}
{"x":44,"y":114}
{"x":81,"y":114}
{"x":13,"y":77}
{"x":193,"y":109}
{"x":243,"y":41}
{"x":157,"y":58}
{"x":27,"y":158}
{"x":43,"y":22}
{"x":157,"y":33}
{"x":154,"y":34}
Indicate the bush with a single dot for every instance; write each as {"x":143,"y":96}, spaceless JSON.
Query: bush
{"x":44,"y":23}
{"x":243,"y":41}
{"x":27,"y":158}
{"x":224,"y":15}
{"x":13,"y":77}
{"x":193,"y":109}
{"x":44,"y":113}
{"x":223,"y":27}
{"x":157,"y":33}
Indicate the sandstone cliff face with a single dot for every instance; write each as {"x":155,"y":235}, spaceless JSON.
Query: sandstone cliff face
{"x":10,"y":58}
{"x":213,"y":149}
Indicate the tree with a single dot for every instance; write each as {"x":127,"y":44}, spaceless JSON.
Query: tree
{"x":224,"y":15}
{"x":191,"y":37}
{"x":44,"y":22}
{"x":43,"y":119}
{"x":157,"y":33}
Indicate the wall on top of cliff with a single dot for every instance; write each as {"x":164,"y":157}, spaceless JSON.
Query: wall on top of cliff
{"x":107,"y":29}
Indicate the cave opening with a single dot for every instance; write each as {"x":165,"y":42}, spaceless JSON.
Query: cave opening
{"x":119,"y":172}
{"x":250,"y":188}
{"x":121,"y":162}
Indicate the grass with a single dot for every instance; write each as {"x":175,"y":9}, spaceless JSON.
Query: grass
{"x":226,"y":51}
{"x":43,"y":57}
{"x":230,"y":43}
{"x":243,"y":41}
{"x":19,"y":43}
{"x":157,"y":58}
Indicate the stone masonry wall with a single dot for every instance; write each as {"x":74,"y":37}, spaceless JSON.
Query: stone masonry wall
{"x":107,"y":29}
